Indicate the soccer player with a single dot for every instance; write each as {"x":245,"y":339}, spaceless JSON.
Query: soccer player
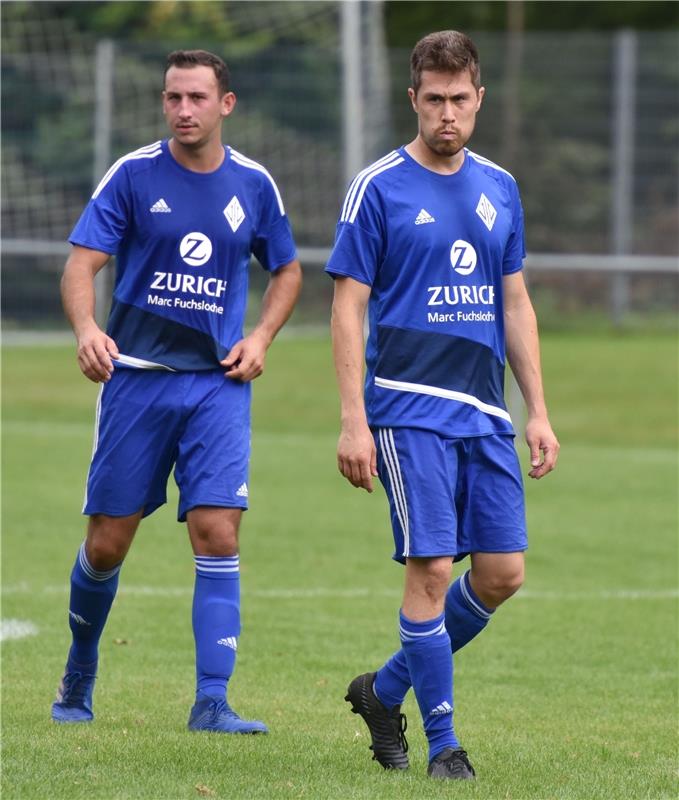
{"x":183,"y":217}
{"x":430,"y":240}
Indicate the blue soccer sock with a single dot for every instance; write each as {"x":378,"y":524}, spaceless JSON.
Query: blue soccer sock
{"x":216,"y":622}
{"x":92,"y":593}
{"x":430,"y":663}
{"x":466,"y":616}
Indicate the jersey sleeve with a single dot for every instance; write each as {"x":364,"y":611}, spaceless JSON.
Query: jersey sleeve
{"x":274,"y":245}
{"x":105,"y":219}
{"x":358,"y":248}
{"x":515,"y":252}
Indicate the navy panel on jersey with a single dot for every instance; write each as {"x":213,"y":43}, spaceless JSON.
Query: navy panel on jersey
{"x":139,"y":331}
{"x":442,"y":360}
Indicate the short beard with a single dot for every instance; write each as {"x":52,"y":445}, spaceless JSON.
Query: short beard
{"x":444,"y":148}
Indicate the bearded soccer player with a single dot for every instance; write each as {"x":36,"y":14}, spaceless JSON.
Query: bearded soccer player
{"x":431,"y":241}
{"x":183,"y":217}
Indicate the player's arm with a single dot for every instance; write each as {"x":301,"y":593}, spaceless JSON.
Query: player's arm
{"x":356,"y":455}
{"x":245,"y":360}
{"x":95,"y":348}
{"x":523,"y":354}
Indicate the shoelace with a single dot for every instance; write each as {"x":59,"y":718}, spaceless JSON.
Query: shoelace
{"x":459,"y":755}
{"x":219,"y":707}
{"x":402,"y":723}
{"x":75,"y":687}
{"x":402,"y":728}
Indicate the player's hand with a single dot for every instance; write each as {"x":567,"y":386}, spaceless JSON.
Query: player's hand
{"x":245,"y":360}
{"x":95,"y":351}
{"x":544,"y":447}
{"x":357,"y":456}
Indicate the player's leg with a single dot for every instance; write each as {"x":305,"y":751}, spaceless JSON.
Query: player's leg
{"x":492,"y":509}
{"x":134,"y":448}
{"x":94,"y":582}
{"x":466,"y":615}
{"x":418,"y":480}
{"x":212,"y":474}
{"x":431,"y":474}
{"x":216,"y":598}
{"x":490,"y":504}
{"x":216,"y":618}
{"x":426,"y":645}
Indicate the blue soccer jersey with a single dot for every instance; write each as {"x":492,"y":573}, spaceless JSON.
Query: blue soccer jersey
{"x":183,"y":241}
{"x":433,"y":248}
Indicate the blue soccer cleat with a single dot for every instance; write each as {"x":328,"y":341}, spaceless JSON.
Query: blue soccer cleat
{"x":74,"y":695}
{"x":216,"y":715}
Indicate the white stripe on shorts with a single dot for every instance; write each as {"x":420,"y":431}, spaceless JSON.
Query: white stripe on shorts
{"x":95,"y":440}
{"x":386,"y":438}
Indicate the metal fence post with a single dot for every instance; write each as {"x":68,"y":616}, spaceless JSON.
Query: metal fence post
{"x":103,"y":116}
{"x":622,"y":206}
{"x":352,"y":88}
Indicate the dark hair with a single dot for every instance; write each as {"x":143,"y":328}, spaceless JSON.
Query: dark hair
{"x":193,"y":58}
{"x":444,"y":51}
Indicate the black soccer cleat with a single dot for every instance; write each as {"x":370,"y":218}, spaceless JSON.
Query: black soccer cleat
{"x":452,"y":764}
{"x":387,"y":728}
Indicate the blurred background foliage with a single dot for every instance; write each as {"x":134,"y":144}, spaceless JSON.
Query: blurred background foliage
{"x":548,"y":117}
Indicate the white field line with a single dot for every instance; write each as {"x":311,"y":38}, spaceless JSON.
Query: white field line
{"x":43,"y":428}
{"x":356,"y":592}
{"x":16,"y":629}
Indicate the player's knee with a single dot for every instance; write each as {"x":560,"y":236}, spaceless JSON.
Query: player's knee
{"x":436,"y":579}
{"x":502,"y":585}
{"x":215,"y":540}
{"x":214,"y":531}
{"x":104,"y":554}
{"x":108,"y":540}
{"x":221,"y":543}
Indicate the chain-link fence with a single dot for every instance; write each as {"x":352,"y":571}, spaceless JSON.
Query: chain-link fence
{"x":588,"y":123}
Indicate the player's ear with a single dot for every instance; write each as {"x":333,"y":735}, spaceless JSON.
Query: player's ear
{"x":479,"y":95}
{"x":228,"y":103}
{"x":413,"y":99}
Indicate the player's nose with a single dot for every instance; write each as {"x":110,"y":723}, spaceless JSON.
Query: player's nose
{"x":184,"y":108}
{"x":448,"y":111}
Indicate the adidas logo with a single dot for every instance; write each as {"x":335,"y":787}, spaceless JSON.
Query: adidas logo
{"x":242,"y":490}
{"x":160,"y":207}
{"x":229,"y":641}
{"x":423,"y":218}
{"x":442,"y":708}
{"x":77,"y":618}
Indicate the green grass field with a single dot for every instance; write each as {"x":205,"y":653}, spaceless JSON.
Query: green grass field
{"x":570,"y":693}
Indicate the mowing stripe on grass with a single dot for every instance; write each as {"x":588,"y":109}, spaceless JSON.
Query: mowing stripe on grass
{"x":358,"y":592}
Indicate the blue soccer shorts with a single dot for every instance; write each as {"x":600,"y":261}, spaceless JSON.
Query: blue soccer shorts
{"x":451,"y":497}
{"x":151,"y":421}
